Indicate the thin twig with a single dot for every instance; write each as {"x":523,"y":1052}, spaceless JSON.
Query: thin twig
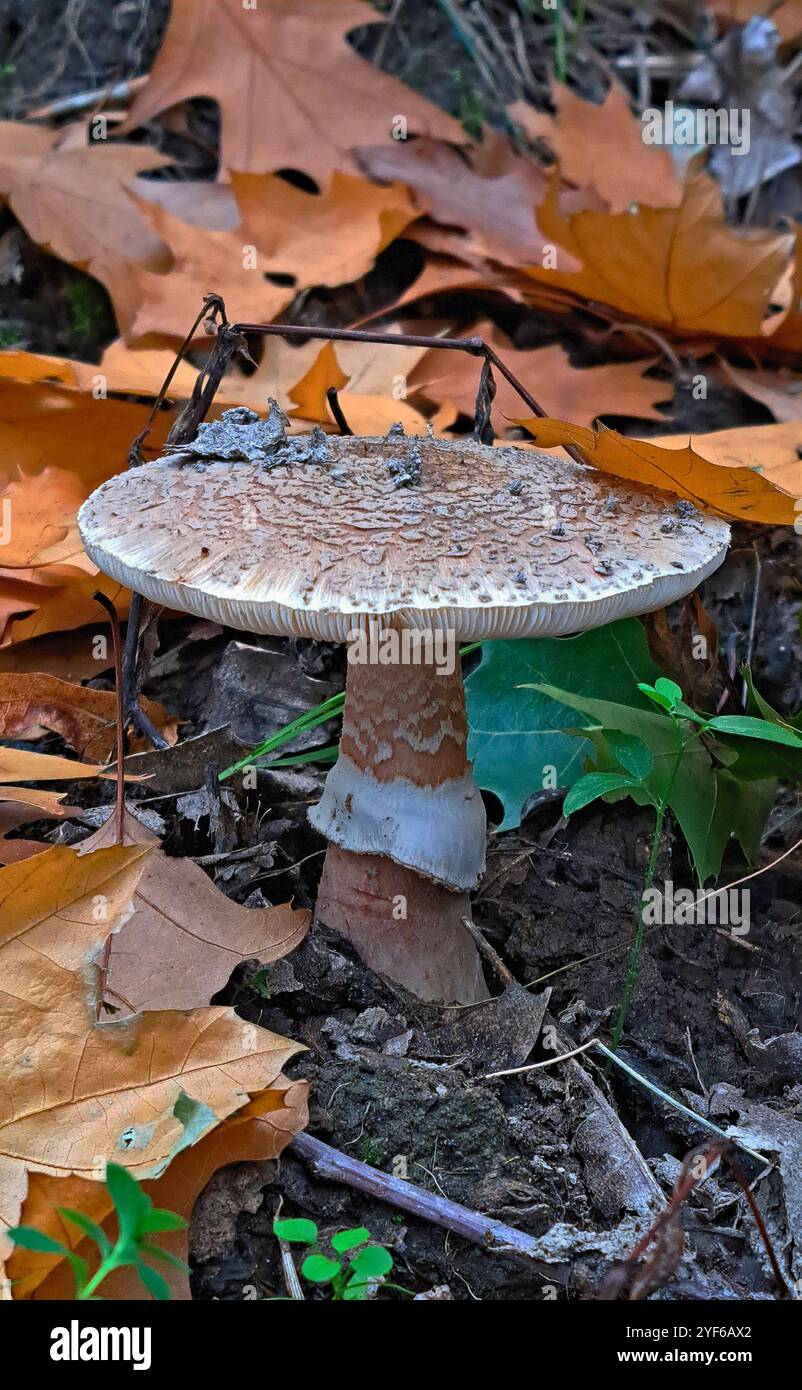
{"x":636,"y":1076}
{"x":334,"y":1166}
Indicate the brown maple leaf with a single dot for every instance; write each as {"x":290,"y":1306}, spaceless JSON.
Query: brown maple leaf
{"x":292,"y":92}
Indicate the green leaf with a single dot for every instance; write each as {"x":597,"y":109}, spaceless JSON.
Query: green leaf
{"x":632,"y":753}
{"x":669,"y":690}
{"x":89,"y":1228}
{"x":344,"y":1241}
{"x":166,"y":1256}
{"x":30,"y":1239}
{"x":158,"y":1220}
{"x":592,"y":786}
{"x":299,"y":1231}
{"x":373,"y":1262}
{"x":746,"y":727}
{"x":516,"y":734}
{"x":699,"y":793}
{"x":131,"y":1203}
{"x":318,"y":1269}
{"x":154,"y":1282}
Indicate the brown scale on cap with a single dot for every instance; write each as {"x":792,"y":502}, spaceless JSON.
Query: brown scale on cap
{"x":325,"y":538}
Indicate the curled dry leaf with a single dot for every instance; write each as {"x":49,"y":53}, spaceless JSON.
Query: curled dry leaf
{"x":582,"y":394}
{"x":79,"y":1093}
{"x":735,"y":491}
{"x":681,"y":268}
{"x":185,"y":937}
{"x":35,"y":704}
{"x":292,"y":92}
{"x":602,"y":147}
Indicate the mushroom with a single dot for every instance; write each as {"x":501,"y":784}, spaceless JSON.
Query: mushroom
{"x":403,"y":548}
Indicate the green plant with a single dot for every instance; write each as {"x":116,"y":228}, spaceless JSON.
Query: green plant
{"x":358,"y":1264}
{"x":137,"y":1221}
{"x":674,"y":760}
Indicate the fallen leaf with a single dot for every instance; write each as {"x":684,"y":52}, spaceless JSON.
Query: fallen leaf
{"x":35,"y":804}
{"x":44,"y":570}
{"x":581,"y":394}
{"x":20,"y":765}
{"x":259,"y":1131}
{"x":492,"y":192}
{"x":681,"y":268}
{"x":778,"y":390}
{"x":292,"y":93}
{"x":185,"y":936}
{"x":72,"y":199}
{"x":736,"y":491}
{"x":78,"y":1093}
{"x":72,"y":656}
{"x":203,"y":261}
{"x":365,"y":414}
{"x":773,"y":451}
{"x":602,"y":147}
{"x":35,"y":704}
{"x":329,"y":238}
{"x":13,"y":851}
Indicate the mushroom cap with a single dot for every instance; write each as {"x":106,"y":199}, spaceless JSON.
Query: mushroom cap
{"x":314,"y":537}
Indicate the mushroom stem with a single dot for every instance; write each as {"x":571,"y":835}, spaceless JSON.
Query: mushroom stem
{"x":427,"y":949}
{"x":405,"y":820}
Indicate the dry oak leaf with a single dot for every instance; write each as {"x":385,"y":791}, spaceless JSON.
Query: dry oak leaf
{"x":492,"y":192}
{"x":779,"y":391}
{"x":329,"y":238}
{"x":259,"y":1131}
{"x":203,"y":261}
{"x":20,"y":765}
{"x":67,"y":604}
{"x":185,"y":937}
{"x":602,"y":147}
{"x":34,"y":704}
{"x":292,"y":93}
{"x":19,"y":805}
{"x":737,"y":492}
{"x":73,"y":200}
{"x":581,"y":394}
{"x":773,"y":451}
{"x":366,"y":414}
{"x":681,"y":268}
{"x":32,"y":803}
{"x":72,"y":656}
{"x":139,"y":372}
{"x":78,"y":1093}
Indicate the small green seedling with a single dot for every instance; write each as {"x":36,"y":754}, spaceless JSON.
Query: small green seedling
{"x":669,"y":763}
{"x":137,"y":1220}
{"x":349,"y":1278}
